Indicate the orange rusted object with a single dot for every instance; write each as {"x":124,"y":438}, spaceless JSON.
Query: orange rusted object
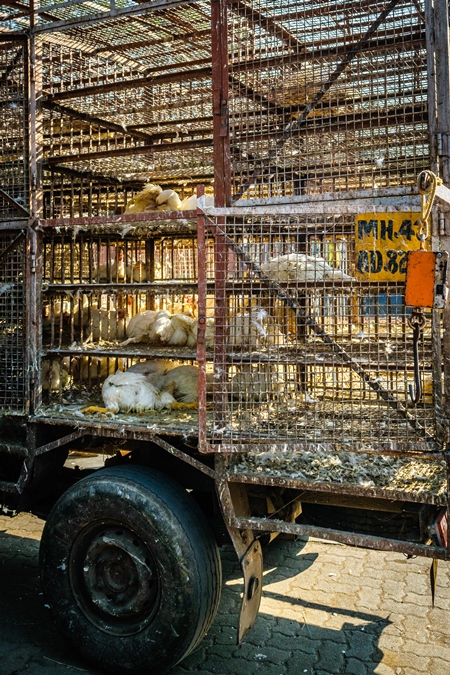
{"x":420,"y":279}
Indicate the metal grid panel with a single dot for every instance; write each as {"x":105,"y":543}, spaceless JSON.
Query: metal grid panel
{"x":93,"y":284}
{"x":14,"y":188}
{"x":131,"y":106}
{"x":326,"y":97}
{"x":313,"y":349}
{"x":13,"y":372}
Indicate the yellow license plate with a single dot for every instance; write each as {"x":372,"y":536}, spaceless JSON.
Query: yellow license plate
{"x":382,"y":242}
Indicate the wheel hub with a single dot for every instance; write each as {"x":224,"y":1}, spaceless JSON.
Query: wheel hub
{"x":116,"y":573}
{"x":119,"y":586}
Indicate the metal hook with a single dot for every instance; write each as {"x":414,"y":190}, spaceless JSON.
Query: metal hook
{"x":417,"y":394}
{"x":416,"y":321}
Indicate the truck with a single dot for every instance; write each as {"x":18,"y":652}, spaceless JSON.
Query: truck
{"x":224,"y":231}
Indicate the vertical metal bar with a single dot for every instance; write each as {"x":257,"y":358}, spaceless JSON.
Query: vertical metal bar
{"x":201,"y":347}
{"x":222,"y":157}
{"x":34,"y":244}
{"x":431,"y":81}
{"x":440,"y":19}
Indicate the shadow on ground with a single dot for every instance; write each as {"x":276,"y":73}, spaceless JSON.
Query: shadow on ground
{"x":280,"y":643}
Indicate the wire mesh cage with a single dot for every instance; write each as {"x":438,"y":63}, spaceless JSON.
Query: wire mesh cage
{"x":126,"y":101}
{"x":102,"y":293}
{"x":312,"y":346}
{"x":326,"y":98}
{"x":14,"y":170}
{"x":13,"y":357}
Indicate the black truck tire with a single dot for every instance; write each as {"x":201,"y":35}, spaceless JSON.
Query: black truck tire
{"x":130,"y":570}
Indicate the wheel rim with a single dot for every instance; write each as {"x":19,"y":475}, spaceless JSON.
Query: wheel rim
{"x":114,"y":578}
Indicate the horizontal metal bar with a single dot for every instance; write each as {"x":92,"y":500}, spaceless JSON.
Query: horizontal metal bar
{"x":59,"y":442}
{"x":337,"y":488}
{"x":118,"y":352}
{"x":165,"y":287}
{"x":387,"y":204}
{"x":370,"y":200}
{"x":147,"y":81}
{"x":14,"y":224}
{"x":169,"y":123}
{"x":367,"y":193}
{"x":134,"y":435}
{"x":106,"y":16}
{"x":360,"y":540}
{"x":14,"y":36}
{"x":133,"y":150}
{"x":60,"y":5}
{"x":420,"y":449}
{"x":116,"y":220}
{"x":423,"y":449}
{"x":96,"y":121}
{"x":139,"y":44}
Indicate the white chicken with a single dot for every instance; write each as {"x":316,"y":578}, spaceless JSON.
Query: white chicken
{"x":209,"y":333}
{"x":152,"y":367}
{"x":140,"y":326}
{"x":253,"y":328}
{"x":301,"y":267}
{"x":190,"y":203}
{"x":145,"y":200}
{"x":182,"y":383}
{"x":173,"y":329}
{"x":168,"y":200}
{"x":154,"y":198}
{"x":132,"y":392}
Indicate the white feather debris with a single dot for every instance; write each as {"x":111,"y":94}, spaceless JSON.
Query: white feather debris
{"x":385,"y":472}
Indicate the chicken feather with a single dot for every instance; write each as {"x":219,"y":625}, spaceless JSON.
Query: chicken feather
{"x":132,"y":392}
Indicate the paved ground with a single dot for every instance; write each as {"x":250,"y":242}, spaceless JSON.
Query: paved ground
{"x":326,"y":609}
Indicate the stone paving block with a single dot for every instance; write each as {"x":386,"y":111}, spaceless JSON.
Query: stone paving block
{"x":438,"y":667}
{"x":361,"y":645}
{"x":301,"y":662}
{"x":262,"y":653}
{"x":331,"y":657}
{"x":355,"y":667}
{"x":428,"y":650}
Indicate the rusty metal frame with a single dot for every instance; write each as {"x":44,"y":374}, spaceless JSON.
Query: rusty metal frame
{"x":57,"y":24}
{"x":266,"y":525}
